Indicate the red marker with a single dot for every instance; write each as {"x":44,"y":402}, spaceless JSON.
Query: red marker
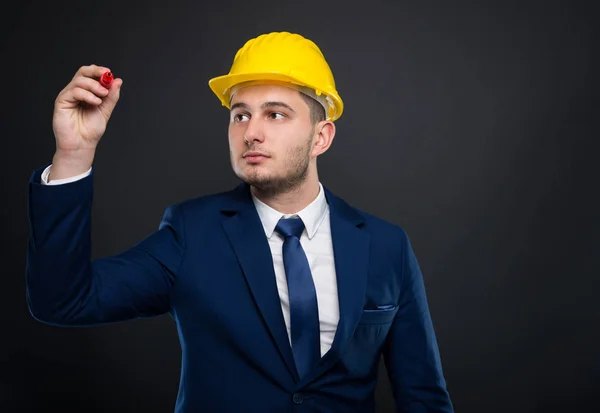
{"x":106,"y":79}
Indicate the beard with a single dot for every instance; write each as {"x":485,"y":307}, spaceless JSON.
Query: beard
{"x":297,"y":160}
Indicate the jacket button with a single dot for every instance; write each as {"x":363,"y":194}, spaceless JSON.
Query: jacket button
{"x":298,"y":398}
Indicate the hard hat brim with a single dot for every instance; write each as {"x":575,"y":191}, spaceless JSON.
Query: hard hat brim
{"x":221,"y":86}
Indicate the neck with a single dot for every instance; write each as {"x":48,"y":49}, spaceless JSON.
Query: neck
{"x":292,"y":200}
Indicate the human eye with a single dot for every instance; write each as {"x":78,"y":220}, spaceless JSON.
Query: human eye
{"x":276,"y":115}
{"x":240,"y":117}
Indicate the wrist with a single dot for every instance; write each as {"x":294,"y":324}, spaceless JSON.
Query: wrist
{"x":66,"y":164}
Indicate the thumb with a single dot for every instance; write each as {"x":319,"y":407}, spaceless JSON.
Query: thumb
{"x":110,"y":101}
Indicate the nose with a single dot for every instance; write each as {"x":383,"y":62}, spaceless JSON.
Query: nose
{"x":254,"y":132}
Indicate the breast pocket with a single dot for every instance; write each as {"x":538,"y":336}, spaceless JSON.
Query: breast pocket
{"x":376,"y":316}
{"x":363,"y":351}
{"x":374,"y":324}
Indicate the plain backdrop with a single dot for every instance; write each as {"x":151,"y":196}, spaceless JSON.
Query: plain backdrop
{"x":472,"y":125}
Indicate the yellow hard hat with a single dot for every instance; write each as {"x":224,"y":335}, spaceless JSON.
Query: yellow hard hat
{"x":282,"y":57}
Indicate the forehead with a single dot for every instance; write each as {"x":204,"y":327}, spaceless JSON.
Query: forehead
{"x":258,"y":94}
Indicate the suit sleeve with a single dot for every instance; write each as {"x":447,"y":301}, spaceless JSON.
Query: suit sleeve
{"x":411,"y":353}
{"x":46,"y":173}
{"x":65,"y":287}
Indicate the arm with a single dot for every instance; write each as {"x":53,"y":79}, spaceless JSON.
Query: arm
{"x":411,"y":354}
{"x":46,"y":174}
{"x":64,"y":287}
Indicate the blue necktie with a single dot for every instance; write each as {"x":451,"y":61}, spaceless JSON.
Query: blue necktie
{"x":304,"y":312}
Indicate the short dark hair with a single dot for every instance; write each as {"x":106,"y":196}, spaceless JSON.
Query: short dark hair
{"x":317,"y":111}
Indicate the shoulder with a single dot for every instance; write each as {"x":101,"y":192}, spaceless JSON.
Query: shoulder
{"x":387,"y":238}
{"x":389,"y":242}
{"x":380,"y":227}
{"x":205,"y":204}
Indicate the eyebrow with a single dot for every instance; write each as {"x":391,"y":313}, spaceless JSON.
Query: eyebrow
{"x":263,"y":106}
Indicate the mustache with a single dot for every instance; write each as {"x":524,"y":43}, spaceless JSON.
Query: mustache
{"x":256,"y":149}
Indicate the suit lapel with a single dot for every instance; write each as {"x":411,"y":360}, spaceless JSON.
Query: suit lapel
{"x":351,"y":256}
{"x":247,"y":237}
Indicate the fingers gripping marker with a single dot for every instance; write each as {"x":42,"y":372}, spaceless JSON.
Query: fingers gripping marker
{"x":106,"y":79}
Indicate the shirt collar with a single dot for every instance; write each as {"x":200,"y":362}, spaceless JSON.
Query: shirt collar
{"x":311,"y":216}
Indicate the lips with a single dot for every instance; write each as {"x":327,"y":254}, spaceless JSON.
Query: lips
{"x":254,"y":154}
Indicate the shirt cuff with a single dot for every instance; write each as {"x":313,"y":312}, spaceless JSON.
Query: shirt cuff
{"x":64,"y":180}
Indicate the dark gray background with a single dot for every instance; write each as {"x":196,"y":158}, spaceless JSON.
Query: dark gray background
{"x":471,"y":125}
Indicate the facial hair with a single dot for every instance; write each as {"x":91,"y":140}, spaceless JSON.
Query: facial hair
{"x":296,"y":170}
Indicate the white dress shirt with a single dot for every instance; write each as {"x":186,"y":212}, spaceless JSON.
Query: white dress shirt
{"x":317,"y":244}
{"x":64,"y":180}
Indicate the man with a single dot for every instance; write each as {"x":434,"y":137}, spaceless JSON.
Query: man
{"x":285,"y":297}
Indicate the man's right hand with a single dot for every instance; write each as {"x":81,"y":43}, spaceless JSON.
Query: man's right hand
{"x":81,"y":112}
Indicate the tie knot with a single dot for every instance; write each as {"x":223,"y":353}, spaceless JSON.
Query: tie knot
{"x":291,"y":227}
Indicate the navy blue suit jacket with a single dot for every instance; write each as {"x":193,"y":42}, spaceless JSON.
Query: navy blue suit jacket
{"x":209,"y":266}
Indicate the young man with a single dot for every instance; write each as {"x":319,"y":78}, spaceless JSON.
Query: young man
{"x":285,"y":296}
